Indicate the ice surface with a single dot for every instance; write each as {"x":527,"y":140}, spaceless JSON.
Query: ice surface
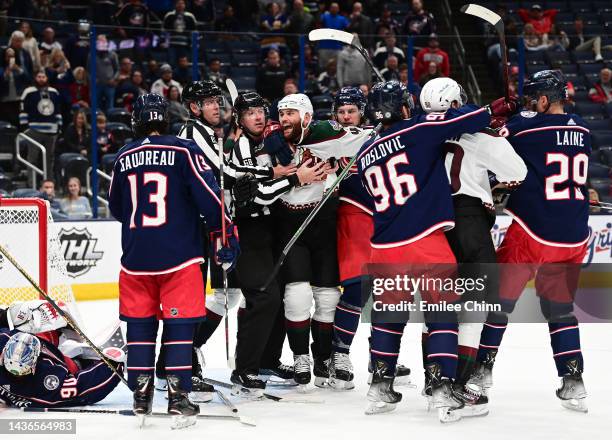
{"x":523,"y":404}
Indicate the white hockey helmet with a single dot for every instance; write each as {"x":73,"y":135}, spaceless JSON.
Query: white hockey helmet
{"x":439,"y":93}
{"x":20,"y":354}
{"x":301,"y":103}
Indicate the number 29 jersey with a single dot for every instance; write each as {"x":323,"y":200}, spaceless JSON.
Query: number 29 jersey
{"x":161,"y":185}
{"x":552,"y":204}
{"x":403,"y":169}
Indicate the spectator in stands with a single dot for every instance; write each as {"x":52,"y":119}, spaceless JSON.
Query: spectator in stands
{"x":213,"y":72}
{"x":103,"y":11}
{"x":533,"y":40}
{"x":361,"y":24}
{"x":365,"y":88}
{"x":203,"y":10}
{"x":162,"y":85}
{"x":333,"y":20}
{"x":176,"y":110}
{"x":125,"y":70}
{"x":182,"y":71}
{"x":179,"y":23}
{"x":289,"y":87}
{"x":57,"y":64}
{"x":327,"y":80}
{"x":77,"y":137}
{"x":352,"y":67}
{"x":419,"y":24}
{"x":107,"y":68}
{"x":274,"y":21}
{"x":386,"y":20}
{"x":492,"y":37}
{"x":47,"y":190}
{"x":601,"y":91}
{"x":129,"y":91}
{"x":271,"y":76}
{"x":542,"y":21}
{"x":300,"y":22}
{"x":134,"y":18}
{"x":152,"y":72}
{"x":79,"y":88}
{"x":412,"y":87}
{"x":47,"y":44}
{"x":227,"y":23}
{"x":311,"y":63}
{"x":433,"y":71}
{"x":13,"y":81}
{"x":41,"y":117}
{"x":431,"y":53}
{"x":22,"y":56}
{"x":77,"y":46}
{"x":391,"y":71}
{"x":389,"y":48}
{"x":104,"y":137}
{"x":30,"y":44}
{"x":579,"y":42}
{"x":75,"y":205}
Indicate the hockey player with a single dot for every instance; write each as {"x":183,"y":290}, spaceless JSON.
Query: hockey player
{"x":404,"y":171}
{"x":310,"y":270}
{"x":469,"y":159}
{"x":261,"y":326}
{"x":160,"y":186}
{"x":541,"y":241}
{"x":35,"y":373}
{"x":354,"y":228}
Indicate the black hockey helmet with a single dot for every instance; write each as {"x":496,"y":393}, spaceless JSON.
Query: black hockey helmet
{"x":150,"y":113}
{"x":386,"y":99}
{"x":350,"y":95}
{"x":197,"y":91}
{"x":247,"y":100}
{"x":549,"y":83}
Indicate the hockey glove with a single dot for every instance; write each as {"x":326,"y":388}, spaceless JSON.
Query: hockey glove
{"x":276,"y":145}
{"x":244,"y":190}
{"x":34,"y":316}
{"x":503,"y":108}
{"x":227,"y":255}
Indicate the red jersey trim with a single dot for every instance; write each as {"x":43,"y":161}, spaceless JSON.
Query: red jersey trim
{"x":197,"y":260}
{"x":358,"y":205}
{"x":449,"y":224}
{"x":553,"y":127}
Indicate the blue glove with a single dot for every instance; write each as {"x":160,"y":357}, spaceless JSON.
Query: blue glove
{"x":227,"y":255}
{"x":276,"y":145}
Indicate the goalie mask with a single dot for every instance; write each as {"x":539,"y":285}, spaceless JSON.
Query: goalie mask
{"x":439,"y":94}
{"x":301,"y":103}
{"x":20,"y":354}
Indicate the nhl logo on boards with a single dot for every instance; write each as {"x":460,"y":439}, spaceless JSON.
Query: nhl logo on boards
{"x":51,"y":382}
{"x":79,"y":250}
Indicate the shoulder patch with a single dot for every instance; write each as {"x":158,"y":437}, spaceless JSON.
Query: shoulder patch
{"x":51,"y":382}
{"x":335,"y":125}
{"x":528,"y":114}
{"x":571,"y":122}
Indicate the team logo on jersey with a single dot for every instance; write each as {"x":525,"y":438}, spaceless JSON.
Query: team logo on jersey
{"x":528,"y":114}
{"x":51,"y":382}
{"x":79,"y":250}
{"x":45,"y":107}
{"x":173,"y":311}
{"x":571,"y":122}
{"x":334,"y":124}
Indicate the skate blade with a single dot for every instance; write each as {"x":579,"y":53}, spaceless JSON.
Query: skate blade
{"x":578,"y":405}
{"x":474,"y":411}
{"x":200,"y":396}
{"x":161,"y":384}
{"x":142,"y":418}
{"x":182,"y":422}
{"x":379,"y":408}
{"x":278,"y":382}
{"x":305,"y":389}
{"x":448,"y":415}
{"x":321,"y":382}
{"x":403,"y":381}
{"x":245,"y":393}
{"x":341,"y":385}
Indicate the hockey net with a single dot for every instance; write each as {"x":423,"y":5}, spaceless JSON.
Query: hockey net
{"x":29,"y":234}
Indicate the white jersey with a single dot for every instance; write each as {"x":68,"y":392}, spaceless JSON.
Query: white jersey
{"x":471,"y":156}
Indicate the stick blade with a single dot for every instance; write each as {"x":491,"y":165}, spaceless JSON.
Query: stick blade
{"x":331,"y":34}
{"x":231,"y":88}
{"x":482,"y":12}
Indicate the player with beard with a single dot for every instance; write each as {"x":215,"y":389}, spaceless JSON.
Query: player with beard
{"x":354,"y":228}
{"x":261,"y":325}
{"x":310,"y":270}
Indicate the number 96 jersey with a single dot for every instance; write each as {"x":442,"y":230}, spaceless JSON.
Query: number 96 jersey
{"x":552,"y":204}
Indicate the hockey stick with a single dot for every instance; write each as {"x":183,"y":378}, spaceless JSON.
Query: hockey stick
{"x":63,"y":314}
{"x":315,"y":211}
{"x":129,"y":412}
{"x":602,"y":205}
{"x":498,"y":23}
{"x":274,"y":397}
{"x":231,"y":88}
{"x":346,"y":38}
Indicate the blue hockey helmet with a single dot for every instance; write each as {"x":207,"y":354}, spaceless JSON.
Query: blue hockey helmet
{"x":549,"y":83}
{"x":20,"y":354}
{"x":150,"y":113}
{"x":386,"y":99}
{"x":350,"y":96}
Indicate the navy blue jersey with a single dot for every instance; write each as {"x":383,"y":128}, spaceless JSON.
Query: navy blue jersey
{"x":160,"y":187}
{"x":552,"y":204}
{"x":403,"y":169}
{"x":352,"y":190}
{"x":53,"y":383}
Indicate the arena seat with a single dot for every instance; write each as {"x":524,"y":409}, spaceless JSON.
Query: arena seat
{"x":119,"y":114}
{"x":597,"y":170}
{"x":605,"y":155}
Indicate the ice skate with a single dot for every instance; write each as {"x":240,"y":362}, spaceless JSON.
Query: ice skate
{"x":381,"y":396}
{"x":341,"y":372}
{"x":482,"y":375}
{"x":247,"y":385}
{"x":442,"y":396}
{"x":183,"y":411}
{"x":321,"y":372}
{"x":281,"y":375}
{"x":143,"y":398}
{"x":402,"y":376}
{"x":476,"y":403}
{"x":201,"y":392}
{"x":572,"y":392}
{"x":301,"y":367}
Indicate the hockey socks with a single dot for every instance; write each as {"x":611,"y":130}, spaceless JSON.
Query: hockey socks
{"x":141,"y":338}
{"x":441,"y":347}
{"x":321,"y":339}
{"x":492,"y":334}
{"x":177,"y":339}
{"x":206,"y":328}
{"x":469,"y":338}
{"x":385,"y":344}
{"x":565,"y":343}
{"x":298,"y":336}
{"x":346,"y":318}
